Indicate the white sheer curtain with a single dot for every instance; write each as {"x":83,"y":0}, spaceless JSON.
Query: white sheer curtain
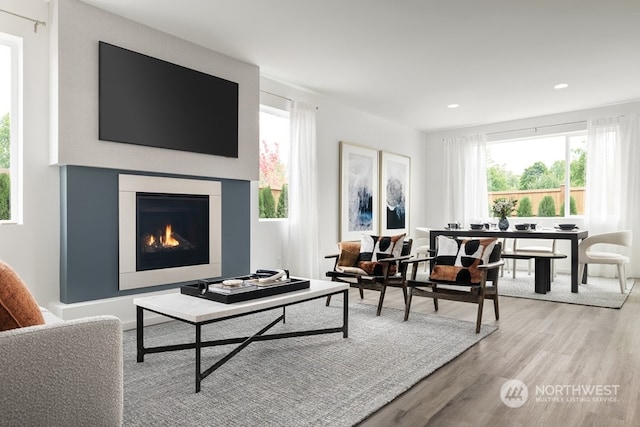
{"x":302,"y":255}
{"x":613,"y":180}
{"x":630,"y":188}
{"x":602,"y":199}
{"x":465,"y":180}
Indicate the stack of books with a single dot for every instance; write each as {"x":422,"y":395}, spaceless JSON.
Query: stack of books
{"x":221,"y":288}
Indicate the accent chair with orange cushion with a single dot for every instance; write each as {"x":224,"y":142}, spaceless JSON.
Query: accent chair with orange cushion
{"x":460,"y":271}
{"x":371,"y":263}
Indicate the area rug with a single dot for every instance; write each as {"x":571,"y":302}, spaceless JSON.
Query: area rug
{"x":598,"y":292}
{"x":322,"y":380}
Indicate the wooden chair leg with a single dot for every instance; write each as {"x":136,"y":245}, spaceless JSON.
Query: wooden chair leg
{"x":407,"y":305}
{"x":328,"y":300}
{"x":381,"y":300}
{"x":495,"y":307}
{"x":480,"y":307}
{"x":435,"y":300}
{"x":361,"y":293}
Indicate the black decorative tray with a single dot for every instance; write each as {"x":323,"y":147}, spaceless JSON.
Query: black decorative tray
{"x":201,"y":289}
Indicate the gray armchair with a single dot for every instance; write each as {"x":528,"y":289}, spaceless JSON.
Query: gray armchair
{"x":62,"y":373}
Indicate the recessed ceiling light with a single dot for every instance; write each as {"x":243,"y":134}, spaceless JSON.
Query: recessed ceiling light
{"x":561,"y":86}
{"x":453,"y":105}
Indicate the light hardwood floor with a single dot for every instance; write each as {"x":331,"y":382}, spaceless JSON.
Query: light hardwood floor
{"x":539,"y":343}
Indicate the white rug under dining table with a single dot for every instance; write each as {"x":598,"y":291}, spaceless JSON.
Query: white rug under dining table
{"x":598,"y":292}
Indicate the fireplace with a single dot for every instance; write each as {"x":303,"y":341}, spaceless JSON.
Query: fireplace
{"x":172,"y":230}
{"x":169,"y":230}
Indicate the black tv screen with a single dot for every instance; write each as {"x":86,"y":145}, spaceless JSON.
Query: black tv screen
{"x":147,"y":101}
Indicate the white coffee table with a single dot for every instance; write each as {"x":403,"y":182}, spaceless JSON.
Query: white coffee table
{"x":199,"y":311}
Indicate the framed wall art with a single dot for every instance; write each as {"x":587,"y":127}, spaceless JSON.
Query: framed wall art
{"x":359,"y":180}
{"x":395,"y":177}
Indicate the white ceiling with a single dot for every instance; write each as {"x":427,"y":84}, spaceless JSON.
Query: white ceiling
{"x":406,"y":60}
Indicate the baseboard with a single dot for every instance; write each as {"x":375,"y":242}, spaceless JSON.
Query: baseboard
{"x":121,"y":307}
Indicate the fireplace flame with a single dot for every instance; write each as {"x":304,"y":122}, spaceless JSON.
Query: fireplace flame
{"x":150,"y":240}
{"x":168,"y":240}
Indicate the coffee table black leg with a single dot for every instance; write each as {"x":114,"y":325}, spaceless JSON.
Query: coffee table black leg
{"x":198,"y":355}
{"x":139,"y":334}
{"x":543,"y":275}
{"x":345,"y":314}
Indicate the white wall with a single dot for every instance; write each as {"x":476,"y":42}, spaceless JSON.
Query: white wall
{"x":434,"y":156}
{"x":32,"y":248}
{"x":60,"y":121}
{"x":78,"y":27}
{"x":335,"y":123}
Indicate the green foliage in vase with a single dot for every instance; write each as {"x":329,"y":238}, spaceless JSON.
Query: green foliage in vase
{"x":503,"y":207}
{"x":547,"y":207}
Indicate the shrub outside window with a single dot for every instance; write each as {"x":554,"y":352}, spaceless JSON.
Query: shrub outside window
{"x":274,"y":154}
{"x":546,"y":175}
{"x":10,"y":92}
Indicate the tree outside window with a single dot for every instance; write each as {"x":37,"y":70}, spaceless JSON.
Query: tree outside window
{"x":274,"y":150}
{"x":7,"y":82}
{"x":5,"y":164}
{"x":535,"y":171}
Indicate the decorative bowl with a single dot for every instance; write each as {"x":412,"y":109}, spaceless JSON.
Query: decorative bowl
{"x":476,"y":226}
{"x":522,"y":227}
{"x":232,"y":283}
{"x":566,"y":226}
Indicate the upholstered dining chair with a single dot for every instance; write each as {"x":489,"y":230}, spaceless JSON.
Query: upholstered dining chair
{"x":421,"y":243}
{"x":551,"y":249}
{"x":588,"y":256}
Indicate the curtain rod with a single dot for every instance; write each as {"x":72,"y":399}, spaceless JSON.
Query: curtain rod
{"x":275,"y":94}
{"x":535,"y":128}
{"x":280,"y":96}
{"x":36,"y":22}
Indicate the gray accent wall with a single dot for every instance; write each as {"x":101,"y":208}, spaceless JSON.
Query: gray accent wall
{"x":89,"y":232}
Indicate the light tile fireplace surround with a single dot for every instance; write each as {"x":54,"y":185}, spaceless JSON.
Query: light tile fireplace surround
{"x":98,"y":232}
{"x":167,"y":203}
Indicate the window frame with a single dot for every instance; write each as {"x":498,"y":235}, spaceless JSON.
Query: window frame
{"x":281,"y":110}
{"x":568,"y":135}
{"x":15,"y":44}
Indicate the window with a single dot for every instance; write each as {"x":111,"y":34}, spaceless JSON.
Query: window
{"x":10,"y":121}
{"x":274,"y":155}
{"x":546,"y":175}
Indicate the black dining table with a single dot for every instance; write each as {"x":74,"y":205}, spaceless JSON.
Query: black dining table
{"x":575,"y":236}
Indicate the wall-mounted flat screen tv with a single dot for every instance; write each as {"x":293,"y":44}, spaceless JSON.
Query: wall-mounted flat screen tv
{"x":147,"y":101}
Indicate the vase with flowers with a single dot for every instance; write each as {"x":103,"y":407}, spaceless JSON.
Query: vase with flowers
{"x":502,"y":208}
